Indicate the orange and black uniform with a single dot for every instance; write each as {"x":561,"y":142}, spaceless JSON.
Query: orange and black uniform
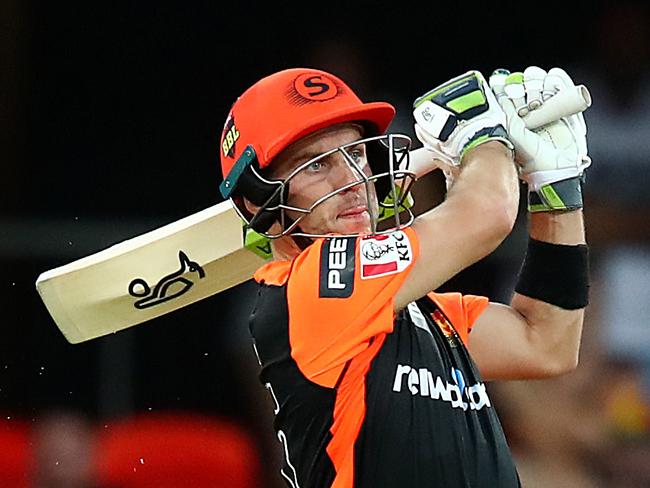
{"x":366,"y":397}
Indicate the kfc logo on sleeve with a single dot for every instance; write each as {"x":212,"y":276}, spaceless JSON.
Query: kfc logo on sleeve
{"x":385,"y":254}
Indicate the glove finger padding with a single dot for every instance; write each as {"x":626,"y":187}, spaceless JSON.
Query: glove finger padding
{"x":514,"y":89}
{"x":534,"y":84}
{"x":556,"y":81}
{"x":525,"y":142}
{"x":457,"y":116}
{"x":553,"y":153}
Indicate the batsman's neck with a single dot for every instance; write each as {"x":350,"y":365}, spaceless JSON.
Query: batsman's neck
{"x":284,"y":249}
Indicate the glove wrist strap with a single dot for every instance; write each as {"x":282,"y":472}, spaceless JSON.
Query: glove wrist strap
{"x":484,"y":135}
{"x":558,"y":196}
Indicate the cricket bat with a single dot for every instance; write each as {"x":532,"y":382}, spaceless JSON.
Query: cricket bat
{"x":152,"y":274}
{"x":186,"y":261}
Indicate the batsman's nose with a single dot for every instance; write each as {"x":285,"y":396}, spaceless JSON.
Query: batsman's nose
{"x":344,"y":172}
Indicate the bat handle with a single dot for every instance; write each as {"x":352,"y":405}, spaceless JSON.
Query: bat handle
{"x":564,"y":103}
{"x":422,"y":162}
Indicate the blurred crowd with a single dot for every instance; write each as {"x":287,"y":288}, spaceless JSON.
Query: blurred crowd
{"x":588,"y":429}
{"x":64,"y":449}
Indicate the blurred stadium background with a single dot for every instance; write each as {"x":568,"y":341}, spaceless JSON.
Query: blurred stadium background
{"x":110,"y":117}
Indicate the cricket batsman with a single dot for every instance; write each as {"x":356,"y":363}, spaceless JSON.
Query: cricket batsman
{"x":376,"y":380}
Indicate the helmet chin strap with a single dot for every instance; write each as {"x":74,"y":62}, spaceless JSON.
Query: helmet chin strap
{"x":302,"y":242}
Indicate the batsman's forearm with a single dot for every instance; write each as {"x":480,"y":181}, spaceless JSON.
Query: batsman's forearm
{"x":556,"y":331}
{"x":558,"y":227}
{"x":488,"y":176}
{"x":478,"y":214}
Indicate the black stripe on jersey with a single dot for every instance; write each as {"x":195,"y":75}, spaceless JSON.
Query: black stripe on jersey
{"x":337,"y":267}
{"x":306,"y":409}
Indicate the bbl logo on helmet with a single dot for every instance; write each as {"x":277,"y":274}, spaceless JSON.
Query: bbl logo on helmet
{"x":311,"y":88}
{"x":230,"y":136}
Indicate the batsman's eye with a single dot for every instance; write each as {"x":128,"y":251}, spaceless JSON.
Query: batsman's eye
{"x":316,"y":167}
{"x":356,"y":155}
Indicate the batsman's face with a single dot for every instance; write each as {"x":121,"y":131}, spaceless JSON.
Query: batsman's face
{"x":344,"y":212}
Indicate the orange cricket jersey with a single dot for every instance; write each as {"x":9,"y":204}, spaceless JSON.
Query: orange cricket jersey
{"x":365,"y":397}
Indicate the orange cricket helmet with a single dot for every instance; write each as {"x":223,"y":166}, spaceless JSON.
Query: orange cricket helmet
{"x":284,"y":107}
{"x":274,"y":113}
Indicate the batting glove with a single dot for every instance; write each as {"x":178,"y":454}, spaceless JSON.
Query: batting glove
{"x":457,"y":116}
{"x":552,"y":158}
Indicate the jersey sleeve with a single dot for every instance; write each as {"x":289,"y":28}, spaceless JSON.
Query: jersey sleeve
{"x":340,"y":296}
{"x":461,"y":310}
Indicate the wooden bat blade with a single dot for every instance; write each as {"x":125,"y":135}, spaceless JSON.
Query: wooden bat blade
{"x":149,"y":275}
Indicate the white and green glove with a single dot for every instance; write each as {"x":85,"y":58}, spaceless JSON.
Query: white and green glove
{"x":457,"y":116}
{"x":552,"y":158}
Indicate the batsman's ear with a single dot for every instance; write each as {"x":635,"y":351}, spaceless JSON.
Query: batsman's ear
{"x":262,"y":220}
{"x":250,"y":206}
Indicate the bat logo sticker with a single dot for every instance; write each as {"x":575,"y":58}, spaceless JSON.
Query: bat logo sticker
{"x":168,"y":287}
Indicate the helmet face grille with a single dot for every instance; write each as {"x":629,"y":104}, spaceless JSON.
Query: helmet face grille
{"x":379,"y":181}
